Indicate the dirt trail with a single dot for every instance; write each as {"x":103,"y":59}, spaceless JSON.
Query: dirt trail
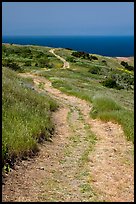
{"x":68,"y":169}
{"x":66,"y":64}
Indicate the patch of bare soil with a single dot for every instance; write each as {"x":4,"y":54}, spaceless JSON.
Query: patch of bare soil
{"x":111,"y":164}
{"x":67,"y":169}
{"x":123,"y":59}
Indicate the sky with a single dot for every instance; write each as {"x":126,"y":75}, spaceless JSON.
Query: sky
{"x":67,"y":18}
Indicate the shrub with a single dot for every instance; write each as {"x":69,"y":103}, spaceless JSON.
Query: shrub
{"x":94,"y":57}
{"x":70,"y":59}
{"x":124,"y":63}
{"x":95,"y":70}
{"x":14,"y":66}
{"x":6,"y":62}
{"x":10,"y":64}
{"x":39,"y":55}
{"x":25,"y":51}
{"x":127,"y":78}
{"x":104,"y":62}
{"x":43,"y":62}
{"x":28,"y":63}
{"x":67,"y":48}
{"x":111,"y":83}
{"x":50,"y":65}
{"x":128,"y":67}
{"x":82,"y":55}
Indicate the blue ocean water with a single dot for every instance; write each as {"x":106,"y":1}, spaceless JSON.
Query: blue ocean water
{"x":113,"y":46}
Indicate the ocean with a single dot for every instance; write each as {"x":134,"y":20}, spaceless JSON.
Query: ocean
{"x":112,"y":46}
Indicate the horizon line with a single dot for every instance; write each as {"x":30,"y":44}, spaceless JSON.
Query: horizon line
{"x":63,"y":35}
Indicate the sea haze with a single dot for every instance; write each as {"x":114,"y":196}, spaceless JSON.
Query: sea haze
{"x":113,"y":46}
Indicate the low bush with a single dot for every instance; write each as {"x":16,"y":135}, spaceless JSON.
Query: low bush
{"x":104,"y":62}
{"x":128,"y":67}
{"x":43,"y":62}
{"x":94,"y":57}
{"x":110,"y":83}
{"x":28,"y":63}
{"x":82,"y":55}
{"x":95,"y":70}
{"x":10,"y":64}
{"x":70,"y":59}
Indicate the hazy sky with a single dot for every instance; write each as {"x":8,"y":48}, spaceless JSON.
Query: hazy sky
{"x":67,"y":18}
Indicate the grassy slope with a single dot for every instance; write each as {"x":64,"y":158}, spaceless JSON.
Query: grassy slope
{"x":25,"y":116}
{"x":108,"y":103}
{"x":21,"y":127}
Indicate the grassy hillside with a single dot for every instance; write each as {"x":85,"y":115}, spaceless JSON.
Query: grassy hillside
{"x":28,"y":58}
{"x":25,"y":117}
{"x":103,"y":81}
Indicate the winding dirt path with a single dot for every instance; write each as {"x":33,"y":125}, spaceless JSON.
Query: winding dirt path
{"x":75,"y":166}
{"x":66,"y":64}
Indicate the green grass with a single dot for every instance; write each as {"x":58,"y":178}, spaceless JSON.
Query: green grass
{"x":29,"y":58}
{"x":112,"y":104}
{"x":108,"y":110}
{"x":25,"y":116}
{"x":103,"y":103}
{"x":41,"y":85}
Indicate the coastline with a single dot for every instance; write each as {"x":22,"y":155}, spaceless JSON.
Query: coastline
{"x":117,"y":57}
{"x":112,"y":46}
